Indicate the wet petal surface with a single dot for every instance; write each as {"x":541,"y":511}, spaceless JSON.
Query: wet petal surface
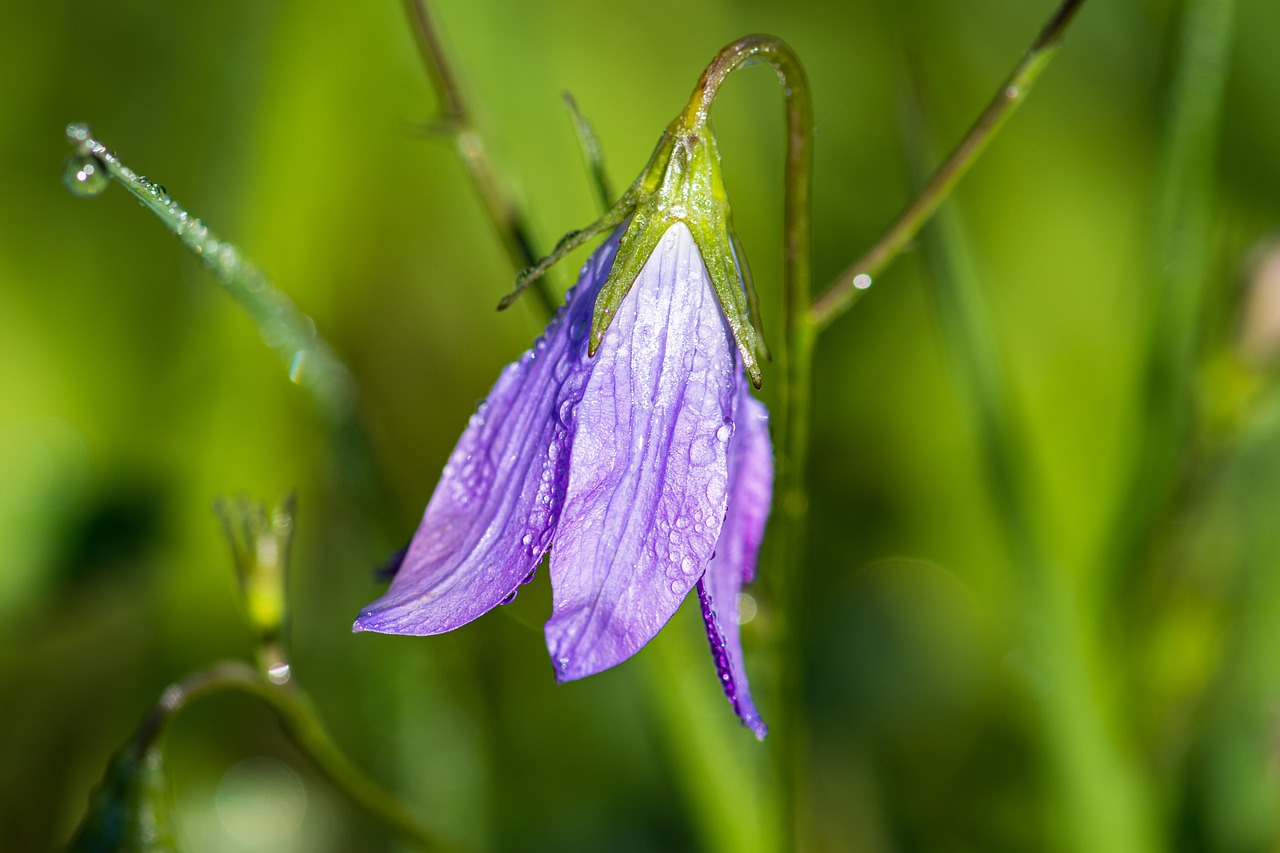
{"x":648,"y":482}
{"x":735,"y":561}
{"x":492,"y":515}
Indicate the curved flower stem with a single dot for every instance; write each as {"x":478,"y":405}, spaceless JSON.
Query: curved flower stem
{"x":456,"y":120}
{"x":792,"y":433}
{"x":304,"y":729}
{"x":841,"y":295}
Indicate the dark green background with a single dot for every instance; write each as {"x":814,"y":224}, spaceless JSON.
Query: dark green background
{"x":134,"y":392}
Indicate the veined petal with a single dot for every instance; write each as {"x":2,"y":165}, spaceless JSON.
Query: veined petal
{"x":751,"y":488}
{"x":648,"y":477}
{"x":492,"y":515}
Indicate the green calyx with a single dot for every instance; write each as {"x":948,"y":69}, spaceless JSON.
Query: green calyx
{"x":681,"y":183}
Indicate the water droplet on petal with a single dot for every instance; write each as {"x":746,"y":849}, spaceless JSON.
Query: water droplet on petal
{"x":85,"y":175}
{"x":578,"y":328}
{"x":702,"y":451}
{"x":509,"y":597}
{"x":566,"y":413}
{"x":724,"y":432}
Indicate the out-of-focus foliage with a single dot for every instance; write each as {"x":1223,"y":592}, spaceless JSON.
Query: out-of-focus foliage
{"x":129,"y":813}
{"x":135,"y":393}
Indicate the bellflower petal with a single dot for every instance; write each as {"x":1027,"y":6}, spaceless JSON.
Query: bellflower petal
{"x":491,"y":518}
{"x":751,"y":472}
{"x":648,"y":474}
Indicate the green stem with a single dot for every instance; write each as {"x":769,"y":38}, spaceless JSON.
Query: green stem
{"x":456,"y":120}
{"x":303,"y":727}
{"x":841,"y":295}
{"x":792,"y":433}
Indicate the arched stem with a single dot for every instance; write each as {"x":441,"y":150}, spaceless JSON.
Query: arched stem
{"x":792,"y":432}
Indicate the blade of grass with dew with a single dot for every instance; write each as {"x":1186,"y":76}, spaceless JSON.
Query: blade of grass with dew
{"x":310,"y":360}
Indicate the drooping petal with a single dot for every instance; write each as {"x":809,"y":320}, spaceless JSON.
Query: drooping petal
{"x":750,"y":491}
{"x":492,"y":515}
{"x":648,"y":477}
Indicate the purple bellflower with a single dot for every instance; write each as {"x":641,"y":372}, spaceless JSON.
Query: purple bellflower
{"x":625,"y":442}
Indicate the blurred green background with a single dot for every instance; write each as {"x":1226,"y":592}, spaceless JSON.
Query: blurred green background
{"x":1123,"y":694}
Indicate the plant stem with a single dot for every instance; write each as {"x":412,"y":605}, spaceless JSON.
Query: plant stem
{"x":792,"y":434}
{"x":456,"y":120}
{"x":304,"y":729}
{"x":841,"y":294}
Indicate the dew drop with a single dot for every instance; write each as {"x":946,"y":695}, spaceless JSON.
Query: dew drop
{"x":297,"y":365}
{"x":578,"y":328}
{"x":688,"y":566}
{"x":509,"y":597}
{"x":702,"y":451}
{"x":85,"y":175}
{"x":527,"y":539}
{"x":677,"y":587}
{"x":158,"y":191}
{"x":566,"y":413}
{"x":724,"y":432}
{"x":862,"y":281}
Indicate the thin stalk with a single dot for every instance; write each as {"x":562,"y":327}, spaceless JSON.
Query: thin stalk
{"x":841,"y":294}
{"x":456,"y":120}
{"x":304,"y":729}
{"x":792,"y":433}
{"x":592,"y":156}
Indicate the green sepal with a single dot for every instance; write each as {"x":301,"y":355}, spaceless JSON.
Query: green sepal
{"x":682,"y":183}
{"x":129,"y":812}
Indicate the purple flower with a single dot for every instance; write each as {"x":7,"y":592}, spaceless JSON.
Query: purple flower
{"x":646,"y":471}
